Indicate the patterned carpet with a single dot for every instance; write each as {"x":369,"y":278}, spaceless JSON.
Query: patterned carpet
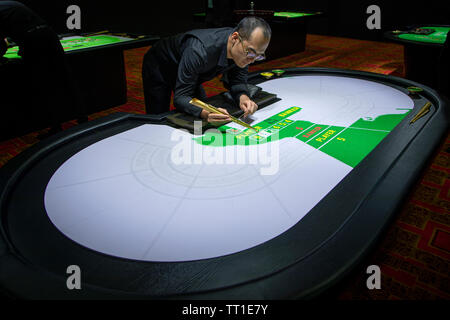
{"x":414,"y":254}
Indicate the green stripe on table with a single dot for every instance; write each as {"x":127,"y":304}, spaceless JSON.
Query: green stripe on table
{"x":312,"y":132}
{"x":385,"y":122}
{"x":325,"y":136}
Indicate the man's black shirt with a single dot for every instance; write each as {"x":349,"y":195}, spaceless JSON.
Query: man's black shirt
{"x":16,"y":20}
{"x":189,"y":59}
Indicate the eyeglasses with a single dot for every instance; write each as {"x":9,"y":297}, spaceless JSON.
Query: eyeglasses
{"x":250,"y":54}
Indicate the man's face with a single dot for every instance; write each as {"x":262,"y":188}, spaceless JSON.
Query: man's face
{"x":255,"y":46}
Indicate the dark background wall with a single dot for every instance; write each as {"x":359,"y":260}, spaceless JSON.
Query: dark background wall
{"x":341,"y":18}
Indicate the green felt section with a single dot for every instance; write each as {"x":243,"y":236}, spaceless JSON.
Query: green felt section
{"x":438,"y":36}
{"x":347,"y":144}
{"x":283,"y":14}
{"x":353,"y":145}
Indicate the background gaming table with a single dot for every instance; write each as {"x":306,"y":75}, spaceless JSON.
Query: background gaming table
{"x":422,"y":48}
{"x":97,"y":65}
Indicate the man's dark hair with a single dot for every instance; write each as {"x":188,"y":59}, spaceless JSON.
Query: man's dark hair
{"x":247,"y":25}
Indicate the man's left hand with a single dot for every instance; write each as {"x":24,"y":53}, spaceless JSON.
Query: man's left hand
{"x":247,"y":105}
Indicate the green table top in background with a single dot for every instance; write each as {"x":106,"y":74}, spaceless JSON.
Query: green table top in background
{"x":76,"y":43}
{"x":286,"y":14}
{"x":283,"y":14}
{"x":438,"y":36}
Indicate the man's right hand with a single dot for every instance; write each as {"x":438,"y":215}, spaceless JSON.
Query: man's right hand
{"x":216,"y":118}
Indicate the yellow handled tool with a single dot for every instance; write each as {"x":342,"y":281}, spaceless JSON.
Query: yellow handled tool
{"x":210,"y":108}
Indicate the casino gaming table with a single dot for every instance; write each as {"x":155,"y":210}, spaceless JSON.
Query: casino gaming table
{"x":97,"y":64}
{"x":289,"y":29}
{"x":77,"y":44}
{"x":149,"y":210}
{"x":422,"y":48}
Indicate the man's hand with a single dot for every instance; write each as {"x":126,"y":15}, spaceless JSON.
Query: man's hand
{"x":247,"y":105}
{"x":216,"y":118}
